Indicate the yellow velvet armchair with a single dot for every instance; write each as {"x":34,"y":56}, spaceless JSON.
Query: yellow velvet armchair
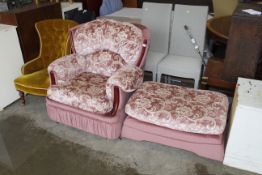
{"x":54,"y":43}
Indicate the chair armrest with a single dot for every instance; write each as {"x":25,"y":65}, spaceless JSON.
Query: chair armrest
{"x":32,"y":66}
{"x":65,"y":68}
{"x":127,"y":78}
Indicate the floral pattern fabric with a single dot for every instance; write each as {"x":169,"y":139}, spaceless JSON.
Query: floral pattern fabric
{"x":67,"y":67}
{"x":100,"y":62}
{"x":128,"y":78}
{"x":105,"y":34}
{"x":183,"y":109}
{"x":104,"y":62}
{"x":86,"y":91}
{"x":104,"y":52}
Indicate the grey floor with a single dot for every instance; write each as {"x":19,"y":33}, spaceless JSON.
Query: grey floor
{"x":32,"y":144}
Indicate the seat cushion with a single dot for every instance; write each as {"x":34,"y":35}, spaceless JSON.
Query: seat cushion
{"x":180,"y":66}
{"x":35,"y":83}
{"x":86,"y":91}
{"x":183,"y":109}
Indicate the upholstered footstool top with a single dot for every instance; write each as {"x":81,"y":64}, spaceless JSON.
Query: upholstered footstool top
{"x":179,"y":108}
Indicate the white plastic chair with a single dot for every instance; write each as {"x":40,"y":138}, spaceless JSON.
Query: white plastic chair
{"x":183,"y":60}
{"x":157,"y":17}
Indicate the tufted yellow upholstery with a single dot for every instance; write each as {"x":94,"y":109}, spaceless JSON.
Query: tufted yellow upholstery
{"x":54,"y":43}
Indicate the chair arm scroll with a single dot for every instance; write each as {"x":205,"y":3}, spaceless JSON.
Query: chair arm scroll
{"x":127,"y":78}
{"x":66,"y":68}
{"x":31,"y":66}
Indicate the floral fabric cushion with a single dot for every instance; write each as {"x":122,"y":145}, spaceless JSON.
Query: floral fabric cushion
{"x":86,"y":91}
{"x":183,"y":109}
{"x":105,"y":34}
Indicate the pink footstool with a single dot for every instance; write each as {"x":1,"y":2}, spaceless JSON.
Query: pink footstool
{"x":189,"y":119}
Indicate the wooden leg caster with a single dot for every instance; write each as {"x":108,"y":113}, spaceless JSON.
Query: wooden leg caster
{"x":22,"y":97}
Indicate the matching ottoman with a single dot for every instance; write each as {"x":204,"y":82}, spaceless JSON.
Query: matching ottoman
{"x":189,"y":119}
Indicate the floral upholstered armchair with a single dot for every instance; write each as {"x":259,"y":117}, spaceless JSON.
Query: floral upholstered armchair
{"x":90,"y":87}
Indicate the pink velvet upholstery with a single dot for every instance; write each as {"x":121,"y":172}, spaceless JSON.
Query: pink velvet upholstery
{"x":106,"y":126}
{"x":66,"y":68}
{"x":209,"y":146}
{"x":128,"y":79}
{"x":86,"y":91}
{"x":179,"y":108}
{"x":184,"y":118}
{"x":106,"y":34}
{"x":90,"y":87}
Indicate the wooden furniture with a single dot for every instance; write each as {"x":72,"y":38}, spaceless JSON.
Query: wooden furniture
{"x":245,"y":140}
{"x":131,"y":3}
{"x":25,"y":18}
{"x":11,"y":61}
{"x":213,"y":73}
{"x":93,"y":5}
{"x":244,"y":48}
{"x":218,"y":28}
{"x":217,"y":35}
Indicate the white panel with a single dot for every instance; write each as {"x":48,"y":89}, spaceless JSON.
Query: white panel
{"x":11,"y":61}
{"x":135,"y":13}
{"x":195,"y":17}
{"x":244,"y":147}
{"x":157,"y":17}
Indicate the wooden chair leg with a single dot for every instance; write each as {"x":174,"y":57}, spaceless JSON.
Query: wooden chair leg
{"x":22,"y":97}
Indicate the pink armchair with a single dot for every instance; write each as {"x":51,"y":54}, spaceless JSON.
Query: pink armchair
{"x":90,"y":87}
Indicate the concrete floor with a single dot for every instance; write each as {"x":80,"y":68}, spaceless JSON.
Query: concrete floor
{"x":32,"y":144}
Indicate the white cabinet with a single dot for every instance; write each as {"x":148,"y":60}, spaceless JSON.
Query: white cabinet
{"x":11,"y":60}
{"x":244,"y":147}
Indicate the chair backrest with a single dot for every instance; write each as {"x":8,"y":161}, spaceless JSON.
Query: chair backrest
{"x":109,"y":6}
{"x":224,"y":7}
{"x":122,"y":38}
{"x":195,"y":17}
{"x":54,"y":39}
{"x":157,"y":17}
